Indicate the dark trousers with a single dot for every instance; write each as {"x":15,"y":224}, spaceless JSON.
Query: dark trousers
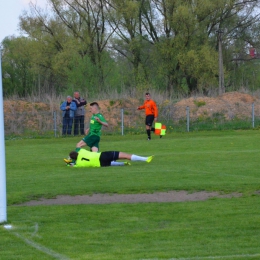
{"x":79,"y":125}
{"x":67,"y":125}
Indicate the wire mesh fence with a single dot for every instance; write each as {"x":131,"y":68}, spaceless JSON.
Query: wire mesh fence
{"x":125,"y":121}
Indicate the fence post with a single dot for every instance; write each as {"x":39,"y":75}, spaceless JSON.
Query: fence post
{"x":122,"y":121}
{"x":55,"y":123}
{"x":253,"y":115}
{"x":188,"y":118}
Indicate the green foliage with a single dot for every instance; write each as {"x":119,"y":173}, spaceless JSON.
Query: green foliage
{"x":199,"y":103}
{"x":17,"y":73}
{"x":126,"y":45}
{"x":111,"y":102}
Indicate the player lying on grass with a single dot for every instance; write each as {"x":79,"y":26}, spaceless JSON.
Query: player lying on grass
{"x":84,"y":158}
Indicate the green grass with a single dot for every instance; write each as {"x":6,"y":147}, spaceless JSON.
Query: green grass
{"x":224,"y":161}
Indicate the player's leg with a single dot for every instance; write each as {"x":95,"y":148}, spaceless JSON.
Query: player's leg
{"x":109,"y":159}
{"x":148,"y":124}
{"x":81,"y":144}
{"x":106,"y":158}
{"x":148,"y":131}
{"x":134,"y":157}
{"x":114,"y":163}
{"x":94,"y":149}
{"x":93,"y":142}
{"x":123,"y":155}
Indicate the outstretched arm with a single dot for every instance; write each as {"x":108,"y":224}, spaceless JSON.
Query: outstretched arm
{"x":86,"y":131}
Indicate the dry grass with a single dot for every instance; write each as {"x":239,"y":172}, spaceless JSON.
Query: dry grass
{"x":36,"y":113}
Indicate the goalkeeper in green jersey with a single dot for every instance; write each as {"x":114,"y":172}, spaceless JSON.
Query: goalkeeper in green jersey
{"x":84,"y":158}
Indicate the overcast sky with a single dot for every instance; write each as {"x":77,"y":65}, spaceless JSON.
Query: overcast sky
{"x":10,"y":10}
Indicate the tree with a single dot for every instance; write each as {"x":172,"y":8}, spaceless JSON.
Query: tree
{"x":86,"y":21}
{"x":17,"y":68}
{"x":170,"y":45}
{"x":74,"y":34}
{"x":125,"y":20}
{"x":186,"y":30}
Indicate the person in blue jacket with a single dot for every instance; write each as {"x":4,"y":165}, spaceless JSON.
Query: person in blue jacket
{"x":68,"y":108}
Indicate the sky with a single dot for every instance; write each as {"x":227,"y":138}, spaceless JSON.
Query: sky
{"x":10,"y":10}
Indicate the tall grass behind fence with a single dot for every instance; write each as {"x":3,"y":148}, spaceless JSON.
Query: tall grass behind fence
{"x":32,"y":123}
{"x":131,"y":121}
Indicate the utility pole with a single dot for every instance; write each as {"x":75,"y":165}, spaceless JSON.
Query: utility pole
{"x":221,"y":88}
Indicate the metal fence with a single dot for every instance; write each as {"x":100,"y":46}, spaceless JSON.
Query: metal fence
{"x":130,"y":121}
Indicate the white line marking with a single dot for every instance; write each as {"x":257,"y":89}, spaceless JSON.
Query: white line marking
{"x":8,"y":226}
{"x":36,"y":228}
{"x":41,"y":248}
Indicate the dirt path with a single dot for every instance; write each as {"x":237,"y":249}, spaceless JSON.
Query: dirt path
{"x":171,"y":196}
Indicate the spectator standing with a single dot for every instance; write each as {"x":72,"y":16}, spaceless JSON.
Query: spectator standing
{"x":151,"y":112}
{"x":79,"y":118}
{"x":93,"y":133}
{"x":68,"y":108}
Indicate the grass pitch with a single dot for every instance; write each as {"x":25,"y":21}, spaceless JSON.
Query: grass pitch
{"x":213,"y":229}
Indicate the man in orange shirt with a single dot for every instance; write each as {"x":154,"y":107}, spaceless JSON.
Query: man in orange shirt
{"x":151,"y":112}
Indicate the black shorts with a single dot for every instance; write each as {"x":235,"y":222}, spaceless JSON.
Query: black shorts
{"x":149,"y":120}
{"x":107,"y":157}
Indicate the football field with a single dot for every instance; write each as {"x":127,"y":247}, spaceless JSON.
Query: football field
{"x":222,"y":227}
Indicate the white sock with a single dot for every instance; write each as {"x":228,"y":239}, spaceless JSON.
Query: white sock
{"x":117,"y":163}
{"x":138,"y":158}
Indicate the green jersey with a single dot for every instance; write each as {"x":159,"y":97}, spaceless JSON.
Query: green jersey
{"x":95,"y":126}
{"x":87,"y":159}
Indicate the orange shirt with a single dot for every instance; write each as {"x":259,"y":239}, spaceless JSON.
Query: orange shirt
{"x":150,"y":108}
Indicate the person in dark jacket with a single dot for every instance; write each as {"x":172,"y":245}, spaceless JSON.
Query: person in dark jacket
{"x":79,"y":118}
{"x":68,"y":108}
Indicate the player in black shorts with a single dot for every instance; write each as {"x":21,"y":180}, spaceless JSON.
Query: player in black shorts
{"x":84,"y":158}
